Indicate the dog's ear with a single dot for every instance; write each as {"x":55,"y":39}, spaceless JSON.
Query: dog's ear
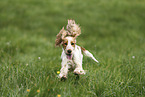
{"x":73,"y":28}
{"x":60,"y":36}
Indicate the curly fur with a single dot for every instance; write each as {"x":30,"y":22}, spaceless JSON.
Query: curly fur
{"x":72,"y":29}
{"x":60,"y":36}
{"x":72,"y":54}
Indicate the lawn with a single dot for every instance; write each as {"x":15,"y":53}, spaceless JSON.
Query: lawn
{"x":113,"y":30}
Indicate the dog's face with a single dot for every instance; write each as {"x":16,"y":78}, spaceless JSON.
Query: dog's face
{"x":69,"y":46}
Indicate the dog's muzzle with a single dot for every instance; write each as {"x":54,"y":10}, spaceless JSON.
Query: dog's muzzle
{"x":69,"y":51}
{"x":69,"y":54}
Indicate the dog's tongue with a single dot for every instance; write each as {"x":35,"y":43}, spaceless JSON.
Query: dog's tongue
{"x":69,"y":57}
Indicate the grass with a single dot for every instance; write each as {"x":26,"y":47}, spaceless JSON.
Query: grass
{"x":113,"y":30}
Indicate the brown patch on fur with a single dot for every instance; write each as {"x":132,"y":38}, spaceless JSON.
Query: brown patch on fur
{"x":73,"y":43}
{"x":72,"y":30}
{"x":64,"y":44}
{"x":60,"y":37}
{"x":83,"y":49}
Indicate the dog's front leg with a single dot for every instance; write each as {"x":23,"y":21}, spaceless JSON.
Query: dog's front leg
{"x":64,"y":69}
{"x":79,"y":69}
{"x":78,"y":63}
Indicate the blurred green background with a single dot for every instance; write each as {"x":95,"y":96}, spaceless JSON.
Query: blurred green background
{"x":113,"y":30}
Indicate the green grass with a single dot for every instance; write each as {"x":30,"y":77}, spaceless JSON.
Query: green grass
{"x":113,"y":30}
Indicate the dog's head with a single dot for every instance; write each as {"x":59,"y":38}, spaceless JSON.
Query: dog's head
{"x":67,"y":38}
{"x":69,"y":46}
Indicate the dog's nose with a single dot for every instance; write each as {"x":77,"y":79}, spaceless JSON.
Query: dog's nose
{"x":69,"y":51}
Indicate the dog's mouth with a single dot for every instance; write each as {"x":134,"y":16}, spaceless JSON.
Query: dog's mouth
{"x":69,"y":56}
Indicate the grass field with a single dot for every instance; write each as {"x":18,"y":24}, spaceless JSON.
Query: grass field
{"x":113,"y":30}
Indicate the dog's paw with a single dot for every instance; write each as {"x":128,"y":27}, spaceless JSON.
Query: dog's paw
{"x":63,"y":78}
{"x":79,"y":71}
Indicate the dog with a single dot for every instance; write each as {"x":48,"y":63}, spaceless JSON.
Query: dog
{"x":72,"y":54}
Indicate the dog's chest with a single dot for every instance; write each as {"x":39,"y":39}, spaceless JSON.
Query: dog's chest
{"x":70,"y":64}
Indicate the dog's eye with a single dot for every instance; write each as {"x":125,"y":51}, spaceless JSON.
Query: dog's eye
{"x":65,"y":43}
{"x":72,"y":43}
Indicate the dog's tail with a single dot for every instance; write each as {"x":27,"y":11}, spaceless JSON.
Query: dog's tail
{"x":88,"y":54}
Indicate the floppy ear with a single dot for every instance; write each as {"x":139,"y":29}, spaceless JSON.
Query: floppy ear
{"x":60,"y":36}
{"x":73,"y":28}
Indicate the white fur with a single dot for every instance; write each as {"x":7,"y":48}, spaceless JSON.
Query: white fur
{"x":87,"y":53}
{"x":75,"y":62}
{"x":69,"y":46}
